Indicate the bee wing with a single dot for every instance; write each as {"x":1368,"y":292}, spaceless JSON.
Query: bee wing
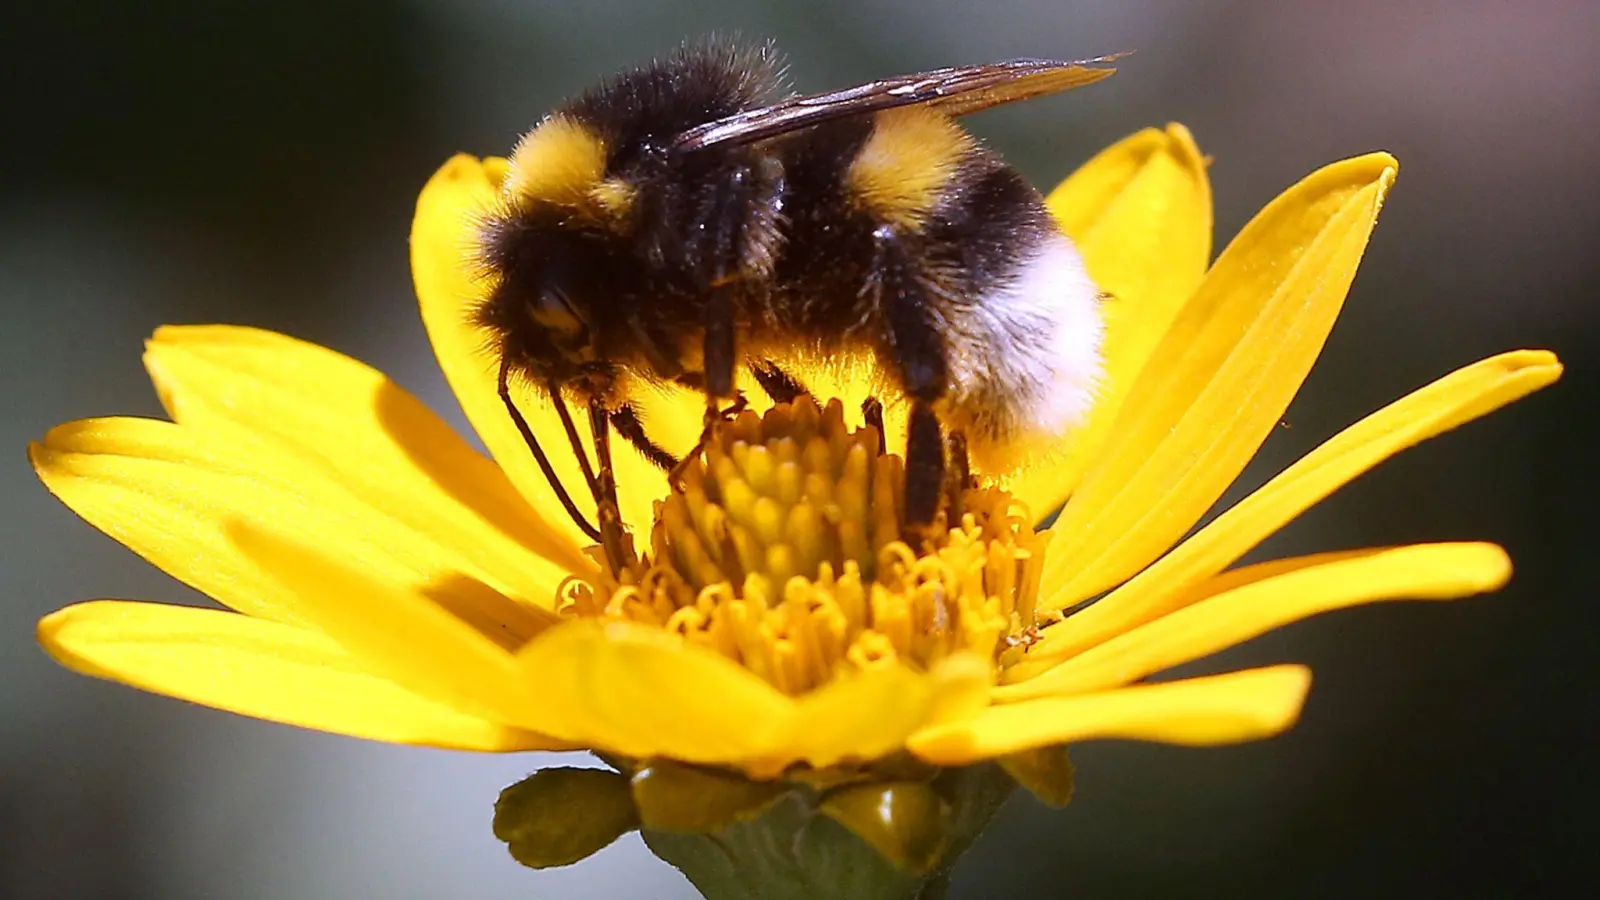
{"x":954,"y":91}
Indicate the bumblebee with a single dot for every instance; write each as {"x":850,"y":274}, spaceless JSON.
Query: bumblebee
{"x":688,"y":218}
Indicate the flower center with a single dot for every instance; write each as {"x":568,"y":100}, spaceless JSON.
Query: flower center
{"x":782,"y":549}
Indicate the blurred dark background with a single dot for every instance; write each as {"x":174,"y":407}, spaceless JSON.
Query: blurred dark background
{"x":257,"y":164}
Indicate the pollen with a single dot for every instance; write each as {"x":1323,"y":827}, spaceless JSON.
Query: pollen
{"x":560,"y":161}
{"x":783,"y":549}
{"x":906,"y":163}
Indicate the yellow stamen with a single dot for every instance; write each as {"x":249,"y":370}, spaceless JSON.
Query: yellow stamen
{"x":783,"y":549}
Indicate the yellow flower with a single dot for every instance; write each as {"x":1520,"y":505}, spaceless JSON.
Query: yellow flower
{"x":386,"y":581}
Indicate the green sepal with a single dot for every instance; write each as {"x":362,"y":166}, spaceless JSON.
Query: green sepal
{"x":674,"y":797}
{"x":794,"y":851}
{"x":906,"y":822}
{"x":558,"y":816}
{"x":1045,"y":772}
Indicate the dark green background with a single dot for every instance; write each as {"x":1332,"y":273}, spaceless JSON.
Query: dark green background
{"x":257,"y":164}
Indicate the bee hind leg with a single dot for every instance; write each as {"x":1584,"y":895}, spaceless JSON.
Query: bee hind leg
{"x":906,"y":301}
{"x":872,"y":414}
{"x":958,"y":477}
{"x":925,"y":468}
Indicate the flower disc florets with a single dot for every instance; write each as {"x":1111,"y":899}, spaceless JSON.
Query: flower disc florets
{"x":782,"y":547}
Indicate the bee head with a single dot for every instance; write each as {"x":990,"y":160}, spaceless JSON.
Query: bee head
{"x":551,"y":281}
{"x":552,"y":251}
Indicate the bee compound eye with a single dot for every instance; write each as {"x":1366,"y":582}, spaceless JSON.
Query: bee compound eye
{"x":555,"y":312}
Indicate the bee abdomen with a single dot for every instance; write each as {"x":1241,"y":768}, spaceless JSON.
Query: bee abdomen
{"x":1023,"y":323}
{"x":1024,"y":358}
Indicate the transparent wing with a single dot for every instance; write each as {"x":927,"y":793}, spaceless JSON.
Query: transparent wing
{"x":954,"y":91}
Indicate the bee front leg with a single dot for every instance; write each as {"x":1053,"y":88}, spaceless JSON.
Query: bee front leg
{"x":720,"y":361}
{"x":718,"y":369}
{"x":613,"y":538}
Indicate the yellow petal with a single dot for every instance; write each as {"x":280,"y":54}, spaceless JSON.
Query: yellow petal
{"x":1259,"y":604}
{"x":642,"y":692}
{"x":859,"y":717}
{"x":406,"y":634}
{"x":348,"y":421}
{"x":171,"y":494}
{"x":1451,"y":401}
{"x":441,"y":240}
{"x":265,"y":670}
{"x":1221,"y":377}
{"x":1221,"y":709}
{"x":961,"y":686}
{"x":1140,"y":213}
{"x":165,"y":494}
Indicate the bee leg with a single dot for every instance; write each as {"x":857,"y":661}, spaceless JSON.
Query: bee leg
{"x":539,"y":457}
{"x":924,"y":467}
{"x":906,"y":302}
{"x":625,"y":419}
{"x":718,"y":368}
{"x":778,"y":384}
{"x":720,"y":361}
{"x":715,"y":416}
{"x":959,"y":477}
{"x":619,"y":555}
{"x":872,"y":414}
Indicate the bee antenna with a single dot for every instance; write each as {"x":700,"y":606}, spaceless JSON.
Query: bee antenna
{"x":541,"y":459}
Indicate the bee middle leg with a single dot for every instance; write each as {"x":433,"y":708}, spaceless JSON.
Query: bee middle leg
{"x":777,"y":384}
{"x":625,"y":419}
